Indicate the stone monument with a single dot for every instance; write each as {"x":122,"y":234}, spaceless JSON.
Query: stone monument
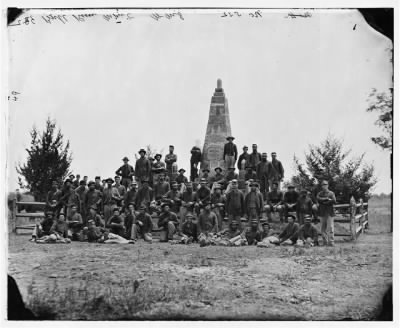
{"x":218,"y":128}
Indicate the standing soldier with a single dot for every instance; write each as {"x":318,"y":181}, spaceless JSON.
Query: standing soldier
{"x":158,"y":168}
{"x":121,"y":189}
{"x":254,"y":158}
{"x":170,"y":159}
{"x":218,"y":203}
{"x":277,"y":171}
{"x":234,"y":205}
{"x":81,"y":191}
{"x":254,"y":203}
{"x":126,"y":172}
{"x":53,"y":197}
{"x":93,"y":197}
{"x":98,"y":185}
{"x":326,"y":199}
{"x":230,"y":153}
{"x":195,"y":159}
{"x":263,"y":173}
{"x":69,"y":197}
{"x":142,"y":167}
{"x":243,"y":159}
{"x":110,"y":199}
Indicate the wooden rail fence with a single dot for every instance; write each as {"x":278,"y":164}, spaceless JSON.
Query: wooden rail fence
{"x":355,"y":215}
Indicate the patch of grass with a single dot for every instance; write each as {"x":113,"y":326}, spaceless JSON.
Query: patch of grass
{"x":106,"y":301}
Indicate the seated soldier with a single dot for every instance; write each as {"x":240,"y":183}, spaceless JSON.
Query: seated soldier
{"x":304,"y":207}
{"x":268,"y":236}
{"x":250,"y":174}
{"x":129,"y":220}
{"x":98,"y":220}
{"x":143,"y":226}
{"x":168,"y":222}
{"x":58,"y":232}
{"x":274,"y":202}
{"x":253,"y":234}
{"x":290,"y":200}
{"x":189,"y":229}
{"x":174,"y":197}
{"x":289,"y":234}
{"x":43,"y":228}
{"x":75,"y":223}
{"x":307,"y":234}
{"x":207,"y":224}
{"x":115,"y":223}
{"x":94,"y":233}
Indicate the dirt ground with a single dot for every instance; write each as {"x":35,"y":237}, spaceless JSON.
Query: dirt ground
{"x":234,"y":283}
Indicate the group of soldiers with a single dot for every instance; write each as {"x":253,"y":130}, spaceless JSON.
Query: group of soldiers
{"x":211,"y":210}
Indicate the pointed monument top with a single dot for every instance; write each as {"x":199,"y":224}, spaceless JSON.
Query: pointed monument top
{"x":219,"y":84}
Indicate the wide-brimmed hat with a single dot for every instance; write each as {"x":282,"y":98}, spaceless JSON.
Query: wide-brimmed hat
{"x":142,"y":151}
{"x":307,"y":218}
{"x":125,"y":159}
{"x":142,"y":208}
{"x":230,"y":137}
{"x":110,"y":179}
{"x":205,"y":170}
{"x":182,"y":170}
{"x":165,"y":204}
{"x":158,"y":155}
{"x":218,"y":168}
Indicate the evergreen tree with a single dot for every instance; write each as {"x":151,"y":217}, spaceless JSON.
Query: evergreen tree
{"x":329,"y":161}
{"x":48,"y":160}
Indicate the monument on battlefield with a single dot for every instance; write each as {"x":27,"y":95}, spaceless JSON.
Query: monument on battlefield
{"x":218,"y":128}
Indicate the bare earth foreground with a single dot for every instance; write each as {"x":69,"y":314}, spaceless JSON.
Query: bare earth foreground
{"x":162,"y":281}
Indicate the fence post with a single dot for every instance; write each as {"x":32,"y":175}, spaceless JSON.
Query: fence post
{"x":14,"y":215}
{"x":361,"y":222}
{"x":352,"y":209}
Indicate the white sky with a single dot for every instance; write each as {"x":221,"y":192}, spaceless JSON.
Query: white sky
{"x":114,"y":88}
